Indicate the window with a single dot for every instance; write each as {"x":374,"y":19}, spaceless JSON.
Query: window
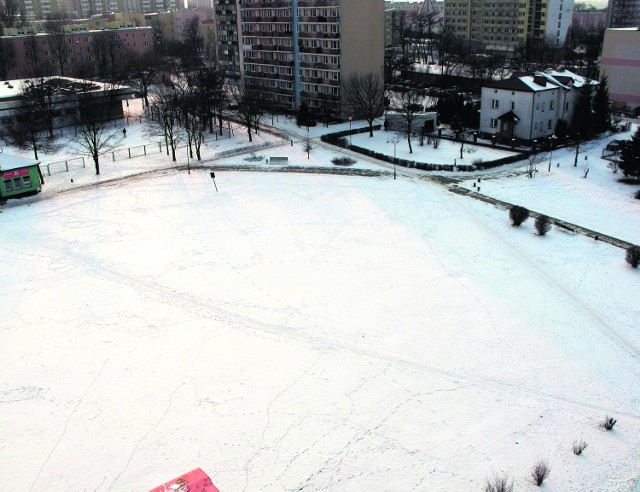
{"x":495,"y":103}
{"x":17,"y":183}
{"x":27,"y":181}
{"x":8,"y":185}
{"x":513,"y":105}
{"x":494,"y":123}
{"x":549,"y":125}
{"x":551,"y":105}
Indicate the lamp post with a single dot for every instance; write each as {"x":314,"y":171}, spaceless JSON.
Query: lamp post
{"x":394,"y":142}
{"x":350,"y":118}
{"x":552,"y":139}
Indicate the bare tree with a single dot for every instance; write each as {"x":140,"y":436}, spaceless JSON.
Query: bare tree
{"x":248,"y":104}
{"x":164,"y":116}
{"x":409,"y":107}
{"x":12,"y":13}
{"x":30,"y":127}
{"x":142,"y":71}
{"x":364,"y":97}
{"x":6,"y":54}
{"x":38,"y":66}
{"x":56,"y":39}
{"x":95,"y":134}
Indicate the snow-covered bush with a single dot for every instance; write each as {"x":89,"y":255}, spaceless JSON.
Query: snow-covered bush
{"x":499,"y":484}
{"x":542,"y":225}
{"x":579,"y":447}
{"x":633,"y":256}
{"x":608,"y":423}
{"x":518,"y":215}
{"x":540,"y":472}
{"x":343,"y":161}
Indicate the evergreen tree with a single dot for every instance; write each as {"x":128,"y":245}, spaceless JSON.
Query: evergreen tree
{"x":582,"y":120}
{"x":630,"y":164}
{"x":601,"y":109}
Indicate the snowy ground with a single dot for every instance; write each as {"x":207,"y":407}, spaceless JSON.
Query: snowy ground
{"x":307,"y":332}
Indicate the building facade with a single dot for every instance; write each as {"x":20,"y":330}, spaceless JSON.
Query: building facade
{"x":503,"y":24}
{"x":528,"y":108}
{"x":300,"y":51}
{"x":32,"y":55}
{"x":620,"y":62}
{"x":623,"y":13}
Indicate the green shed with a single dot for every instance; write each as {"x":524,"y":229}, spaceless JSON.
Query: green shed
{"x":20,"y":176}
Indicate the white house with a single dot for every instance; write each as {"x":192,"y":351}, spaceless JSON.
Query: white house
{"x":529,"y":107}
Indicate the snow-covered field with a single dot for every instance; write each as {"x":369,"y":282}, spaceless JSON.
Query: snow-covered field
{"x":308,"y":332}
{"x":314,"y":332}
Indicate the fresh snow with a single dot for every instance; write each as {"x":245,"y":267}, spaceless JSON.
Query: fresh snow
{"x":313,"y":332}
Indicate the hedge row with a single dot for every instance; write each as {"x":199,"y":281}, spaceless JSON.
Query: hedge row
{"x":339,"y":139}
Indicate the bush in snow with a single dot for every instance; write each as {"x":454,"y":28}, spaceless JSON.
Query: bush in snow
{"x":608,"y":423}
{"x":633,"y":256}
{"x":518,"y":215}
{"x":637,"y":195}
{"x":542,"y":225}
{"x":499,"y":484}
{"x":540,"y":472}
{"x":343,"y":161}
{"x":579,"y":447}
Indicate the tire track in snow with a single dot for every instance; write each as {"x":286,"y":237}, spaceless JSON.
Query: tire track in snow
{"x":207,"y":309}
{"x":609,"y":330}
{"x":66,"y":424}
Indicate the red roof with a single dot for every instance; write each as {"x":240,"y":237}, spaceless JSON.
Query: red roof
{"x":193,"y":481}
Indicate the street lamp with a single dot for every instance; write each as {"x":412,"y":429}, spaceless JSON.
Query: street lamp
{"x":350,"y":118}
{"x":552,"y":138}
{"x":394,"y":142}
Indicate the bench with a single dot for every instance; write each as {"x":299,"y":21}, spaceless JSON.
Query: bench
{"x":278,"y":160}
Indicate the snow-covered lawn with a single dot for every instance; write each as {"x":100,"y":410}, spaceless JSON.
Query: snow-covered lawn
{"x":598,"y":202}
{"x":308,"y":332}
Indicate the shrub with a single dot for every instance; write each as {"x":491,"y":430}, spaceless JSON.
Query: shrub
{"x":343,"y":161}
{"x":518,"y":215}
{"x":499,"y":484}
{"x":579,"y":447}
{"x":633,"y":256}
{"x":540,"y":472}
{"x":608,"y":423}
{"x":637,"y":195}
{"x":542,"y":225}
{"x":477,"y":162}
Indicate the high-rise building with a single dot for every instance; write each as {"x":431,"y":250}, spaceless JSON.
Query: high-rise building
{"x":227,"y":46}
{"x":300,"y":51}
{"x":623,"y":13}
{"x":503,"y":24}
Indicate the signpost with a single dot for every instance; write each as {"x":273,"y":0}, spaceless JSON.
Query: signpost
{"x":213,"y":177}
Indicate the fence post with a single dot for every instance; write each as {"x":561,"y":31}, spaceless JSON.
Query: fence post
{"x":83,"y":164}
{"x":129,"y":149}
{"x":48,"y":169}
{"x":113,"y":156}
{"x":144,"y":148}
{"x":66,"y":165}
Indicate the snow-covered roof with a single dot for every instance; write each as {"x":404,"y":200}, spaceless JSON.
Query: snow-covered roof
{"x":9,"y":162}
{"x":11,"y":89}
{"x":543,"y":81}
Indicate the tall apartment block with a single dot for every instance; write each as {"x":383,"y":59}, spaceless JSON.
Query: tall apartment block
{"x":227,"y":44}
{"x":623,"y":13}
{"x":503,"y":24}
{"x":300,"y":51}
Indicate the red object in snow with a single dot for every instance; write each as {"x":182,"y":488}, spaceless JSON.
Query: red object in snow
{"x":193,"y":481}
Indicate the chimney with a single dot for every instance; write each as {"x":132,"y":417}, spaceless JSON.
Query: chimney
{"x":540,"y":80}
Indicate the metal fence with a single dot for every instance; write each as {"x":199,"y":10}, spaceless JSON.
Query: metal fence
{"x":66,"y":165}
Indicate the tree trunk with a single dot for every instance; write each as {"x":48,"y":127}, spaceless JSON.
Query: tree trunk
{"x":96,"y":162}
{"x":370,"y":128}
{"x":409,"y":142}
